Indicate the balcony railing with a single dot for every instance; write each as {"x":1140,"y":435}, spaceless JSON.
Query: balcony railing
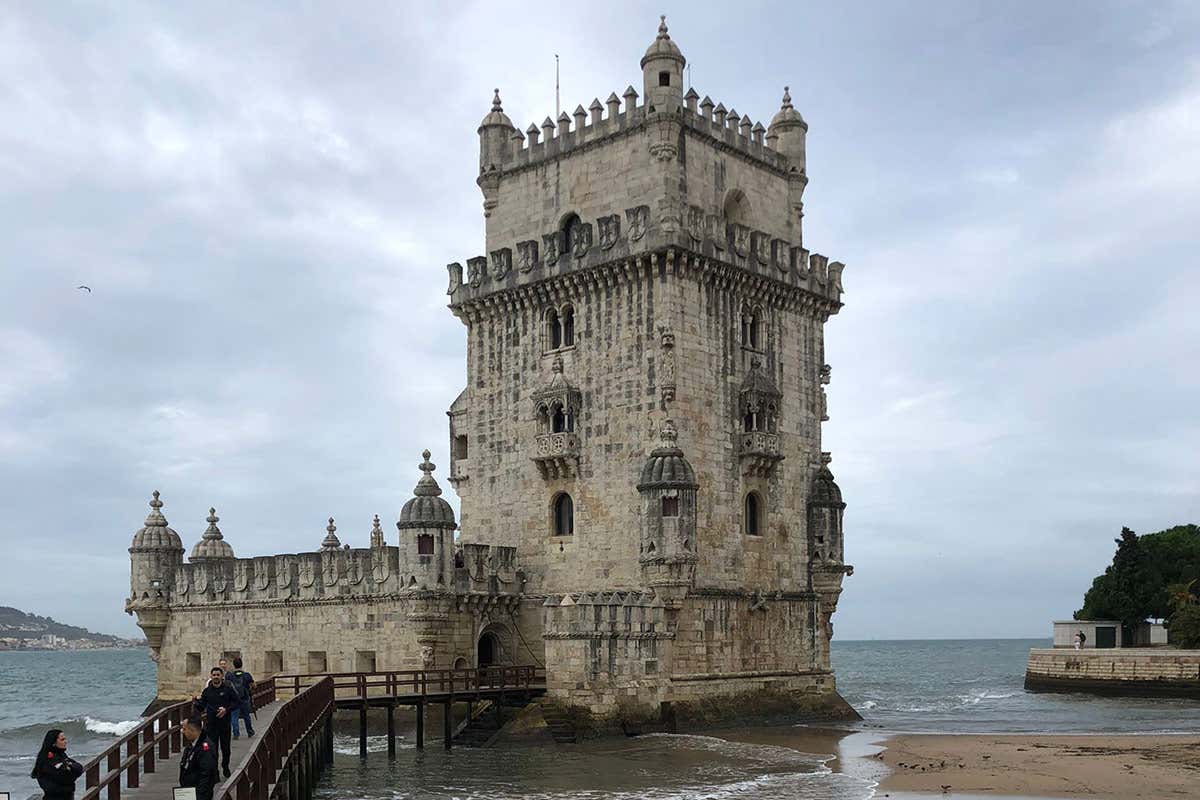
{"x":758,"y":452}
{"x":556,"y":454}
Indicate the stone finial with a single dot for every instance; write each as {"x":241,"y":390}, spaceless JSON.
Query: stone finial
{"x":155,"y":518}
{"x":330,"y":542}
{"x":212,"y":544}
{"x":787,"y":99}
{"x":427,"y":486}
{"x":496,"y":101}
{"x":376,"y":533}
{"x":212,"y":531}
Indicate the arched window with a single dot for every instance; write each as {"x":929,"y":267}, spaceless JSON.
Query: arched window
{"x":562,"y":422}
{"x":770,"y":419}
{"x":753,"y":514}
{"x":750,"y":330}
{"x":554,"y":329}
{"x":570,"y":226}
{"x":568,"y":326}
{"x":737,"y":207}
{"x":749,"y":422}
{"x":564,"y":515}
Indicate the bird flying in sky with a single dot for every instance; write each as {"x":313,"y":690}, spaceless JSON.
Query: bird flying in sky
{"x":81,"y":286}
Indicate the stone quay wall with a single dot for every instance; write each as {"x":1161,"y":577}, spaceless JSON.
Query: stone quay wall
{"x":1133,"y":671}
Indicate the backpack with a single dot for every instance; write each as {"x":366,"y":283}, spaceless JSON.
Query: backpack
{"x":239,"y":680}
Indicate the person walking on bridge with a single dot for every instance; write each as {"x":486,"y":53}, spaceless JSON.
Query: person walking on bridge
{"x":198,"y":764}
{"x":54,"y":770}
{"x":243,"y":684}
{"x":217,"y":701}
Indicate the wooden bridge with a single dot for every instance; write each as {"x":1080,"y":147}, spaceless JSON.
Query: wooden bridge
{"x":293,"y":739}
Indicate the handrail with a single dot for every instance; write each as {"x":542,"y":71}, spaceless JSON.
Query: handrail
{"x":394,"y":683}
{"x":293,"y":722}
{"x":154,"y":739}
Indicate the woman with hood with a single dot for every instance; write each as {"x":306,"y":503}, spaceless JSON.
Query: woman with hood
{"x":54,"y":770}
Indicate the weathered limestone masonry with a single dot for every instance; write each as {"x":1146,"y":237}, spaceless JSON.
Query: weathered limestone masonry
{"x":1132,"y":671}
{"x":642,"y":416}
{"x":646,"y":508}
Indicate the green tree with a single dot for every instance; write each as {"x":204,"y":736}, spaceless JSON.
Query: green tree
{"x":1184,"y":627}
{"x":1139,"y":582}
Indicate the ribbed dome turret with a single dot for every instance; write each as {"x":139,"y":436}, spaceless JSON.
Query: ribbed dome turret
{"x":666,"y":468}
{"x":496,"y":116}
{"x":663,"y":47}
{"x":427,"y":509}
{"x":212,"y":544}
{"x":156,"y":535}
{"x":787,"y":116}
{"x":825,"y":491}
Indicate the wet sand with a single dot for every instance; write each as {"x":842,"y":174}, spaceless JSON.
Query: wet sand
{"x":1145,"y":767}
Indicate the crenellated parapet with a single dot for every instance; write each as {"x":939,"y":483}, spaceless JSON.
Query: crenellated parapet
{"x":606,"y":246}
{"x":605,"y":615}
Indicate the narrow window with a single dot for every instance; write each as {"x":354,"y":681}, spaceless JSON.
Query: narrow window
{"x":570,"y":229}
{"x":274,"y":662}
{"x":424,"y":545}
{"x":749,"y":422}
{"x":670,"y":506}
{"x":752,"y":514}
{"x":752,"y":326}
{"x":554,"y":326}
{"x":568,"y":326}
{"x":364,"y":661}
{"x":771,"y":419}
{"x":460,"y":446}
{"x":564,"y":515}
{"x":193,"y":664}
{"x":664,"y":79}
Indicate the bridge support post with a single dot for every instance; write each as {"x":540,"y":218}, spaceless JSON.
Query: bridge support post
{"x":328,"y":748}
{"x":362,"y":730}
{"x":420,"y":724}
{"x":391,"y":729}
{"x":448,"y":723}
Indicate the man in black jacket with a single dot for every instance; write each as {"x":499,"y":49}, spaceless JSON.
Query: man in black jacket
{"x":217,"y":701}
{"x":198,"y":764}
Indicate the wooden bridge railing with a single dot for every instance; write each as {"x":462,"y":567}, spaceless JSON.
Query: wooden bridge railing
{"x":298,"y":737}
{"x":398,"y":683}
{"x":155,"y":739}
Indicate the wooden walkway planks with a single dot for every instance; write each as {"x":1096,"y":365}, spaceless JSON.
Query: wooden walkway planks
{"x":158,"y":785}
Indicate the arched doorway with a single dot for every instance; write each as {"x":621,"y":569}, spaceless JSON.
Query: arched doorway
{"x":488,"y":653}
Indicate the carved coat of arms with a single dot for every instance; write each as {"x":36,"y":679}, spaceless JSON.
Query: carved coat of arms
{"x":501,"y":263}
{"x":527,"y":255}
{"x":610,"y":231}
{"x":476,"y":270}
{"x":637,"y":219}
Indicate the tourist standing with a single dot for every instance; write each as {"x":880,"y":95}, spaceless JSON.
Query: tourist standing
{"x":243,"y":684}
{"x":54,"y":770}
{"x":198,"y":764}
{"x":217,"y":701}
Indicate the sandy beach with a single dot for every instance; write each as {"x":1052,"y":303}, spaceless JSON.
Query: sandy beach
{"x":1146,"y":767}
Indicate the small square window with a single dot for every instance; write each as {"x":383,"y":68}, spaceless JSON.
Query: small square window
{"x":364,"y":661}
{"x":664,"y":79}
{"x":316,"y":662}
{"x":274,"y":662}
{"x":193,"y":663}
{"x":670,"y":506}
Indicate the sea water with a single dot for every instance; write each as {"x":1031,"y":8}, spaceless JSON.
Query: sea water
{"x":970,"y":686}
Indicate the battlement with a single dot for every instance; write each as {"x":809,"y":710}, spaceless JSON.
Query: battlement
{"x":348,"y":572}
{"x":553,"y":139}
{"x":630,"y":235}
{"x":595,"y":615}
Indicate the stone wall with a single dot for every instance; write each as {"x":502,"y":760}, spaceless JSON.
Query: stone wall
{"x":1132,"y":671}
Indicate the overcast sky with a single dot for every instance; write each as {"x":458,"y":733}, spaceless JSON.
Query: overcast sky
{"x":263,"y":201}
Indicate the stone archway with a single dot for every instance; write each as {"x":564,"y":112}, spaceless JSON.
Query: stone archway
{"x":488,"y":650}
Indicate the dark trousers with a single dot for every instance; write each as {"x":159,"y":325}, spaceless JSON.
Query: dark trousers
{"x":218,"y":731}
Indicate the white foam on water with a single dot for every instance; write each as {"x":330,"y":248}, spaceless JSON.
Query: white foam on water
{"x":111,"y":728}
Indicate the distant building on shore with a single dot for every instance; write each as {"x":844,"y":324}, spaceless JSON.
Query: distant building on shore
{"x":646,"y":507}
{"x":1104,"y":634}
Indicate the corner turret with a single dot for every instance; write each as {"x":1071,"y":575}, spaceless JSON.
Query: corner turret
{"x":662,"y":73}
{"x":426,"y":528}
{"x":667,"y":551}
{"x":787,"y":135}
{"x":154,"y":554}
{"x":212,"y":545}
{"x":495,"y":137}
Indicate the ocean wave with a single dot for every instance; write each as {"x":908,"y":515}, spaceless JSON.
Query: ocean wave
{"x":76,"y":728}
{"x":111,"y":728}
{"x":868,"y":704}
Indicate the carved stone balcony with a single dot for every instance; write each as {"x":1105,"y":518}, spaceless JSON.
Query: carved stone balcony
{"x":759,"y":453}
{"x":556,"y":454}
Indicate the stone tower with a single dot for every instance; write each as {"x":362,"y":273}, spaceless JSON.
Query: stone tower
{"x":644,"y":399}
{"x":154,"y":554}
